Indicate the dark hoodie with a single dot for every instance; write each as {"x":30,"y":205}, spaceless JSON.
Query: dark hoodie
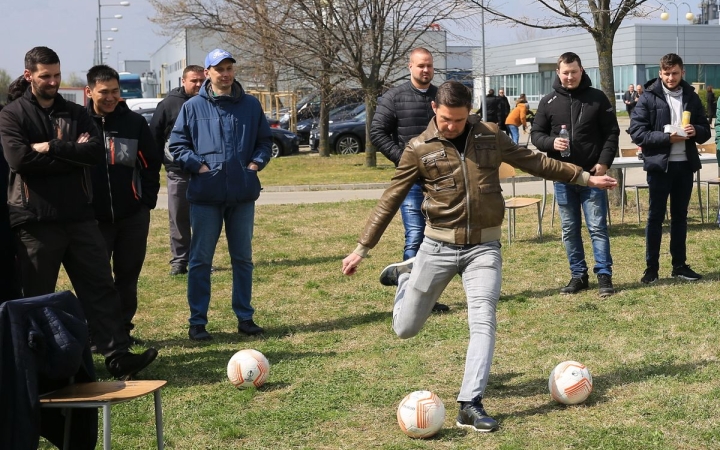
{"x":648,"y":121}
{"x":162,"y":122}
{"x":590,"y":120}
{"x":130,"y":176}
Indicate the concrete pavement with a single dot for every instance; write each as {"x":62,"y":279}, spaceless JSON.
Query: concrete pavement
{"x":275,"y":195}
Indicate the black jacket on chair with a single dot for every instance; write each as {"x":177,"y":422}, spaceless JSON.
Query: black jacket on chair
{"x":44,"y":345}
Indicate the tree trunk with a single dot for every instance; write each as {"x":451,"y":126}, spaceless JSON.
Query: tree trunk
{"x":370,"y":106}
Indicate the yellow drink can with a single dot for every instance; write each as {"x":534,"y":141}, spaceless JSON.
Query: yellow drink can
{"x":686,"y":118}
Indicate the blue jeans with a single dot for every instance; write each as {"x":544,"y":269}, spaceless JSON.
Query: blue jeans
{"x":677,"y":183}
{"x":514,"y":132}
{"x":207,"y":222}
{"x":593,"y":202}
{"x":413,"y":220}
{"x":480,"y":267}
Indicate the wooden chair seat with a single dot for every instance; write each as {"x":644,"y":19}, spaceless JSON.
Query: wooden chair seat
{"x":104,"y":395}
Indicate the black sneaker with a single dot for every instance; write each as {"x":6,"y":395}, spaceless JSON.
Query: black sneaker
{"x":440,"y":307}
{"x":575,"y":285}
{"x":249,"y":327}
{"x":605,"y":286}
{"x":472,"y":415}
{"x":199,"y":333}
{"x":178,"y":270}
{"x":649,"y":276}
{"x":684,"y":272}
{"x":389,"y":276}
{"x":127,"y":365}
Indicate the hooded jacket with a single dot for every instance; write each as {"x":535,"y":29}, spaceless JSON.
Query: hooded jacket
{"x":225,"y":133}
{"x":53,"y":186}
{"x":130,"y":175}
{"x":590,"y":120}
{"x":402,"y":113}
{"x":648,"y":121}
{"x":463,"y":199}
{"x":162,"y":123}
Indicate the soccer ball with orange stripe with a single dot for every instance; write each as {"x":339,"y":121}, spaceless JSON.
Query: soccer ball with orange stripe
{"x":248,"y":368}
{"x":421,"y":414}
{"x":570,"y":383}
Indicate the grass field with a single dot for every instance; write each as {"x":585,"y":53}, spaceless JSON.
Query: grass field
{"x":338,"y":371}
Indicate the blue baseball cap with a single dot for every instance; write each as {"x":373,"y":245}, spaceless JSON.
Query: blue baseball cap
{"x":216,"y":56}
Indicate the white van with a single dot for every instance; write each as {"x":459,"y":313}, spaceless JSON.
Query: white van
{"x":142,"y":103}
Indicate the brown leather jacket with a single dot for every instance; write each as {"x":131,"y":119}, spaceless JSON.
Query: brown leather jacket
{"x":463,"y":199}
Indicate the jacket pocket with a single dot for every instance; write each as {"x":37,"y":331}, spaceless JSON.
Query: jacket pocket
{"x":208,"y":187}
{"x":122,"y":151}
{"x":436,"y":164}
{"x":487,"y":154}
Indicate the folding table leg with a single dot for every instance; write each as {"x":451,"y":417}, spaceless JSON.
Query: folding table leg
{"x":106,"y":426}
{"x":68,"y":422}
{"x":159,"y":420}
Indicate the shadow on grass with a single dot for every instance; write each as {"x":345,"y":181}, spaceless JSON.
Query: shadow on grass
{"x":628,"y":374}
{"x":298,"y":262}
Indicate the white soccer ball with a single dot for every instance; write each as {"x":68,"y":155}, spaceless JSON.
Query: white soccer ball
{"x":570,"y":383}
{"x":421,"y":414}
{"x":248,"y":368}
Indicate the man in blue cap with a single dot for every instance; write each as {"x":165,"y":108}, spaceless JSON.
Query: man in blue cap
{"x":222,"y":138}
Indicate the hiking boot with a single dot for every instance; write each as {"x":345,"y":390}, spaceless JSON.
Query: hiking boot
{"x":178,"y":270}
{"x":575,"y":285}
{"x":649,"y":276}
{"x":199,"y":333}
{"x":605,"y":286}
{"x":440,"y":307}
{"x":249,"y":327}
{"x":472,"y":415}
{"x":684,"y":272}
{"x":127,"y":365}
{"x":389,"y":276}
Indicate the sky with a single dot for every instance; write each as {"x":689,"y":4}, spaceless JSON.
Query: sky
{"x":70,"y":31}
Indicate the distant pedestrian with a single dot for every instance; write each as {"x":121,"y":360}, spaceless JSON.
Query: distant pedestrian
{"x":493,"y":107}
{"x":630,"y":98}
{"x":161,"y":125}
{"x":711,"y":101}
{"x":222,"y":138}
{"x":517,"y":118}
{"x":503,"y":110}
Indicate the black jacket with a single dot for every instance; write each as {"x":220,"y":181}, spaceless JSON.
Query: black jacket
{"x":493,"y":109}
{"x":503,"y":111}
{"x":402,"y":113}
{"x":130,"y":176}
{"x":648,"y":121}
{"x":44,"y":342}
{"x":163,"y":121}
{"x":590,"y":120}
{"x":53,"y":186}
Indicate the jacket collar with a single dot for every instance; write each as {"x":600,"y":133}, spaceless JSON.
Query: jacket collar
{"x":585,"y":82}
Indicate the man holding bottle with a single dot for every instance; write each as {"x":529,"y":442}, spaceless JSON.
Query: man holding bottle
{"x":592,"y":142}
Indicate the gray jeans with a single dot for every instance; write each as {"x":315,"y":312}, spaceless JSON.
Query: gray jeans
{"x":480,"y":267}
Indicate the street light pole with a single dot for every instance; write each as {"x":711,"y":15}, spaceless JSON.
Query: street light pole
{"x":689,"y":17}
{"x":99,"y":23}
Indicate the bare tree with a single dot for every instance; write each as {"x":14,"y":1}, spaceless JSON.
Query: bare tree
{"x":324,"y":42}
{"x":5,"y":80}
{"x":74,"y":80}
{"x":600,"y":18}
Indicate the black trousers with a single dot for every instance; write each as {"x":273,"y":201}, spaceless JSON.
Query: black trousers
{"x":79,"y":247}
{"x":126,"y":242}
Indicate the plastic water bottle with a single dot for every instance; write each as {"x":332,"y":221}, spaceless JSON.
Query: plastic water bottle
{"x":565,"y":135}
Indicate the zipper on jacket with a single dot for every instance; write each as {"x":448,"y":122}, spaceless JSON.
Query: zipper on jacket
{"x":111,"y":142}
{"x":468,"y":206}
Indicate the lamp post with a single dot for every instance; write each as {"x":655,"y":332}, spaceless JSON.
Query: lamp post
{"x":99,"y":22}
{"x":689,"y":17}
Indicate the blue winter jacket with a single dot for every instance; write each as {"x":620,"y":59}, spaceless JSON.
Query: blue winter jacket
{"x":226,"y":133}
{"x":648,"y":120}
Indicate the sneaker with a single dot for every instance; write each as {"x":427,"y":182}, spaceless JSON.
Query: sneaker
{"x":178,"y":270}
{"x":472,"y":415}
{"x":575,"y":285}
{"x":684,"y":272}
{"x":389,"y":276}
{"x":649,"y":276}
{"x":199,"y":333}
{"x":605,"y":286}
{"x":440,"y":307}
{"x":127,"y":365}
{"x":249,"y":327}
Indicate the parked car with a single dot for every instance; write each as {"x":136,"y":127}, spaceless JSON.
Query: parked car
{"x":309,"y":106}
{"x":345,"y":136}
{"x":284,"y":142}
{"x":340,"y":113}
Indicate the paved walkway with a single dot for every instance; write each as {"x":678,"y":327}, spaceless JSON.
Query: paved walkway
{"x":275,"y":195}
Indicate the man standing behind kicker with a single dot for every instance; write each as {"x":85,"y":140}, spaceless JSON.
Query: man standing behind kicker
{"x":594,"y":133}
{"x":630,"y":98}
{"x":223,"y":139}
{"x":463,"y":231}
{"x":177,"y":180}
{"x":403,"y":113}
{"x":671,"y":159}
{"x":125,"y":187}
{"x":50,"y":145}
